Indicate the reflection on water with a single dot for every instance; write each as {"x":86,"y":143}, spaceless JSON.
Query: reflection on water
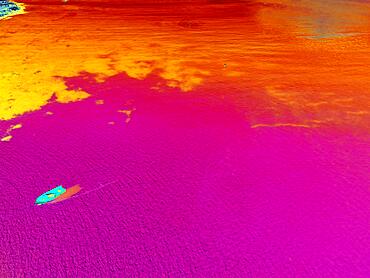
{"x":305,"y":62}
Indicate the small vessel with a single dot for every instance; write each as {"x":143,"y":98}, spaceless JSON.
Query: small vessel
{"x":10,"y":8}
{"x":50,"y":195}
{"x":70,"y":192}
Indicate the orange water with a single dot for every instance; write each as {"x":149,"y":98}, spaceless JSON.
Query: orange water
{"x":304,"y":63}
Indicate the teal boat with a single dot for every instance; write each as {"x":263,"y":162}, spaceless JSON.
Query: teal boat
{"x":8,"y":8}
{"x":50,"y":195}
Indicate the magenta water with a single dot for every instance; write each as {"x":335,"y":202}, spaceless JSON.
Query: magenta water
{"x":192,"y":191}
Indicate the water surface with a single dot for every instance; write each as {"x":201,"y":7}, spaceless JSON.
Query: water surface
{"x":234,"y":137}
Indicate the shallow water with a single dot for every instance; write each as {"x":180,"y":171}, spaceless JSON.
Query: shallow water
{"x":307,"y":61}
{"x":234,"y":137}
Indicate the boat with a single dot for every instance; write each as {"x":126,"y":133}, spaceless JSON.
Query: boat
{"x":71,"y":191}
{"x":50,"y":195}
{"x":9,"y":8}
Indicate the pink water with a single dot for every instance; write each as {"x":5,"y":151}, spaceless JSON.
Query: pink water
{"x":195,"y":192}
{"x":239,"y":146}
